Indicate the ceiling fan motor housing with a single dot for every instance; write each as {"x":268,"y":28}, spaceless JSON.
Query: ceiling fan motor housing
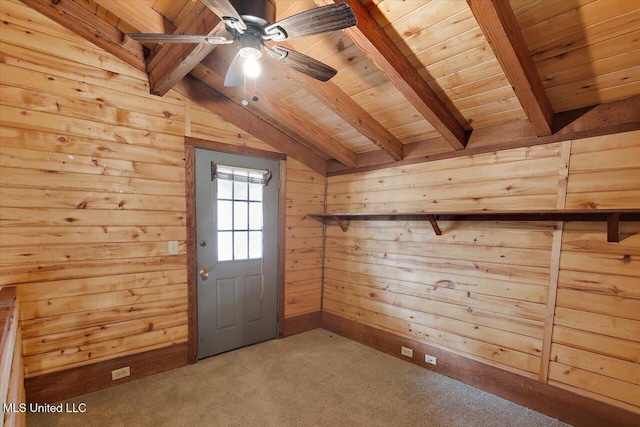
{"x":263,"y":10}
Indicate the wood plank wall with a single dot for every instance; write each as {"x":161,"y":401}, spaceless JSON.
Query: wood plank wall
{"x":595,"y":348}
{"x":485,"y":290}
{"x":91,"y":192}
{"x":303,"y":280}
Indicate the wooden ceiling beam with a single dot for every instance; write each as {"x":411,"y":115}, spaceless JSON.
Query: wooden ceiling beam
{"x":369,"y":36}
{"x":139,"y":15}
{"x":235,"y":114}
{"x":310,"y":132}
{"x":212,"y":71}
{"x":89,"y":26}
{"x":172,"y":61}
{"x":604,"y":119}
{"x":340,"y":103}
{"x":336,"y":100}
{"x":175,"y":60}
{"x":500,"y":27}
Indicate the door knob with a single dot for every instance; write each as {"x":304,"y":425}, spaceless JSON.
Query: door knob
{"x":204,"y":273}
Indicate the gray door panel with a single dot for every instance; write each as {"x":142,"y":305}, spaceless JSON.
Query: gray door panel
{"x":238,"y":301}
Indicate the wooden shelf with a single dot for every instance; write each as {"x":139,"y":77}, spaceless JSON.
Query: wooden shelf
{"x":612,"y":217}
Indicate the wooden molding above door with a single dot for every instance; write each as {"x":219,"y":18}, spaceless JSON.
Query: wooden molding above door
{"x":235,"y":149}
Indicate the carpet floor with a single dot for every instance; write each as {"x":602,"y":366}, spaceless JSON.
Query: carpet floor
{"x":312,"y":379}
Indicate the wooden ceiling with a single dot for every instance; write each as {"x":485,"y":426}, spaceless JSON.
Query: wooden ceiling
{"x":416,"y":79}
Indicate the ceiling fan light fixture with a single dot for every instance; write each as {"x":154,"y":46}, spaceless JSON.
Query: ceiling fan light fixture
{"x":250,"y":51}
{"x":251,"y":65}
{"x":252,"y":23}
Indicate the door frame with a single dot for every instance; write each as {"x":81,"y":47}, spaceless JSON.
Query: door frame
{"x":192,"y":295}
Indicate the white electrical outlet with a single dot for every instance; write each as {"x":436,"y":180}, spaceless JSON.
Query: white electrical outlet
{"x":173,"y":247}
{"x":406,"y":351}
{"x":116,"y":374}
{"x":430,"y":359}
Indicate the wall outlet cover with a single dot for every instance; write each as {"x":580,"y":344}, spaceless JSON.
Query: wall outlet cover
{"x":116,"y":374}
{"x":406,"y":351}
{"x":430,"y":359}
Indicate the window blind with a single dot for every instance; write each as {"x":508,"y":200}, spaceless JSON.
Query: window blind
{"x":231,"y":173}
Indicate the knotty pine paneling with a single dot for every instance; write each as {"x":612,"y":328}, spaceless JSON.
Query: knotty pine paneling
{"x":585,"y":51}
{"x":201,"y":127}
{"x":481,"y":289}
{"x":604,"y":172}
{"x":523,"y":179}
{"x":481,"y":297}
{"x":92,"y":189}
{"x":595,"y":349}
{"x":304,"y":240}
{"x":598,"y":299}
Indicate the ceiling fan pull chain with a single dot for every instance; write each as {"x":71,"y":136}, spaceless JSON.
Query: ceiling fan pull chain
{"x":244,"y":91}
{"x":255,"y":90}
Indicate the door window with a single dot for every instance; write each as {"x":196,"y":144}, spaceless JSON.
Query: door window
{"x":239,"y":213}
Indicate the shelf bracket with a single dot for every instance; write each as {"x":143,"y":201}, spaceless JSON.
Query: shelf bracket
{"x":434,"y":224}
{"x":344,"y":225}
{"x":613,"y":222}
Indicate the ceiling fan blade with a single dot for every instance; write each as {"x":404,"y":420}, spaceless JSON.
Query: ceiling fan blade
{"x":177,"y":38}
{"x":226,"y":12}
{"x":235,"y":73}
{"x":303,"y":63}
{"x":311,"y":22}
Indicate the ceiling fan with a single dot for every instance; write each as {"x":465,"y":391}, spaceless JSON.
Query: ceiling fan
{"x":251,"y":22}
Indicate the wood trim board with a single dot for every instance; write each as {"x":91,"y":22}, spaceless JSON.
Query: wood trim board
{"x":302,"y":323}
{"x":61,"y":385}
{"x":8,"y":342}
{"x":234,"y":149}
{"x":7,"y":302}
{"x":554,"y":271}
{"x":192,"y":306}
{"x":550,"y":400}
{"x":282,"y":242}
{"x":563,"y":176}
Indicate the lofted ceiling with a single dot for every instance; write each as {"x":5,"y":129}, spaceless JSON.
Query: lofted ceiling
{"x":416,"y":79}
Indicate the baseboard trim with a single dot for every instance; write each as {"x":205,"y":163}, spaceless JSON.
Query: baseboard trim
{"x":303,"y":323}
{"x":553,"y":401}
{"x":57,"y":386}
